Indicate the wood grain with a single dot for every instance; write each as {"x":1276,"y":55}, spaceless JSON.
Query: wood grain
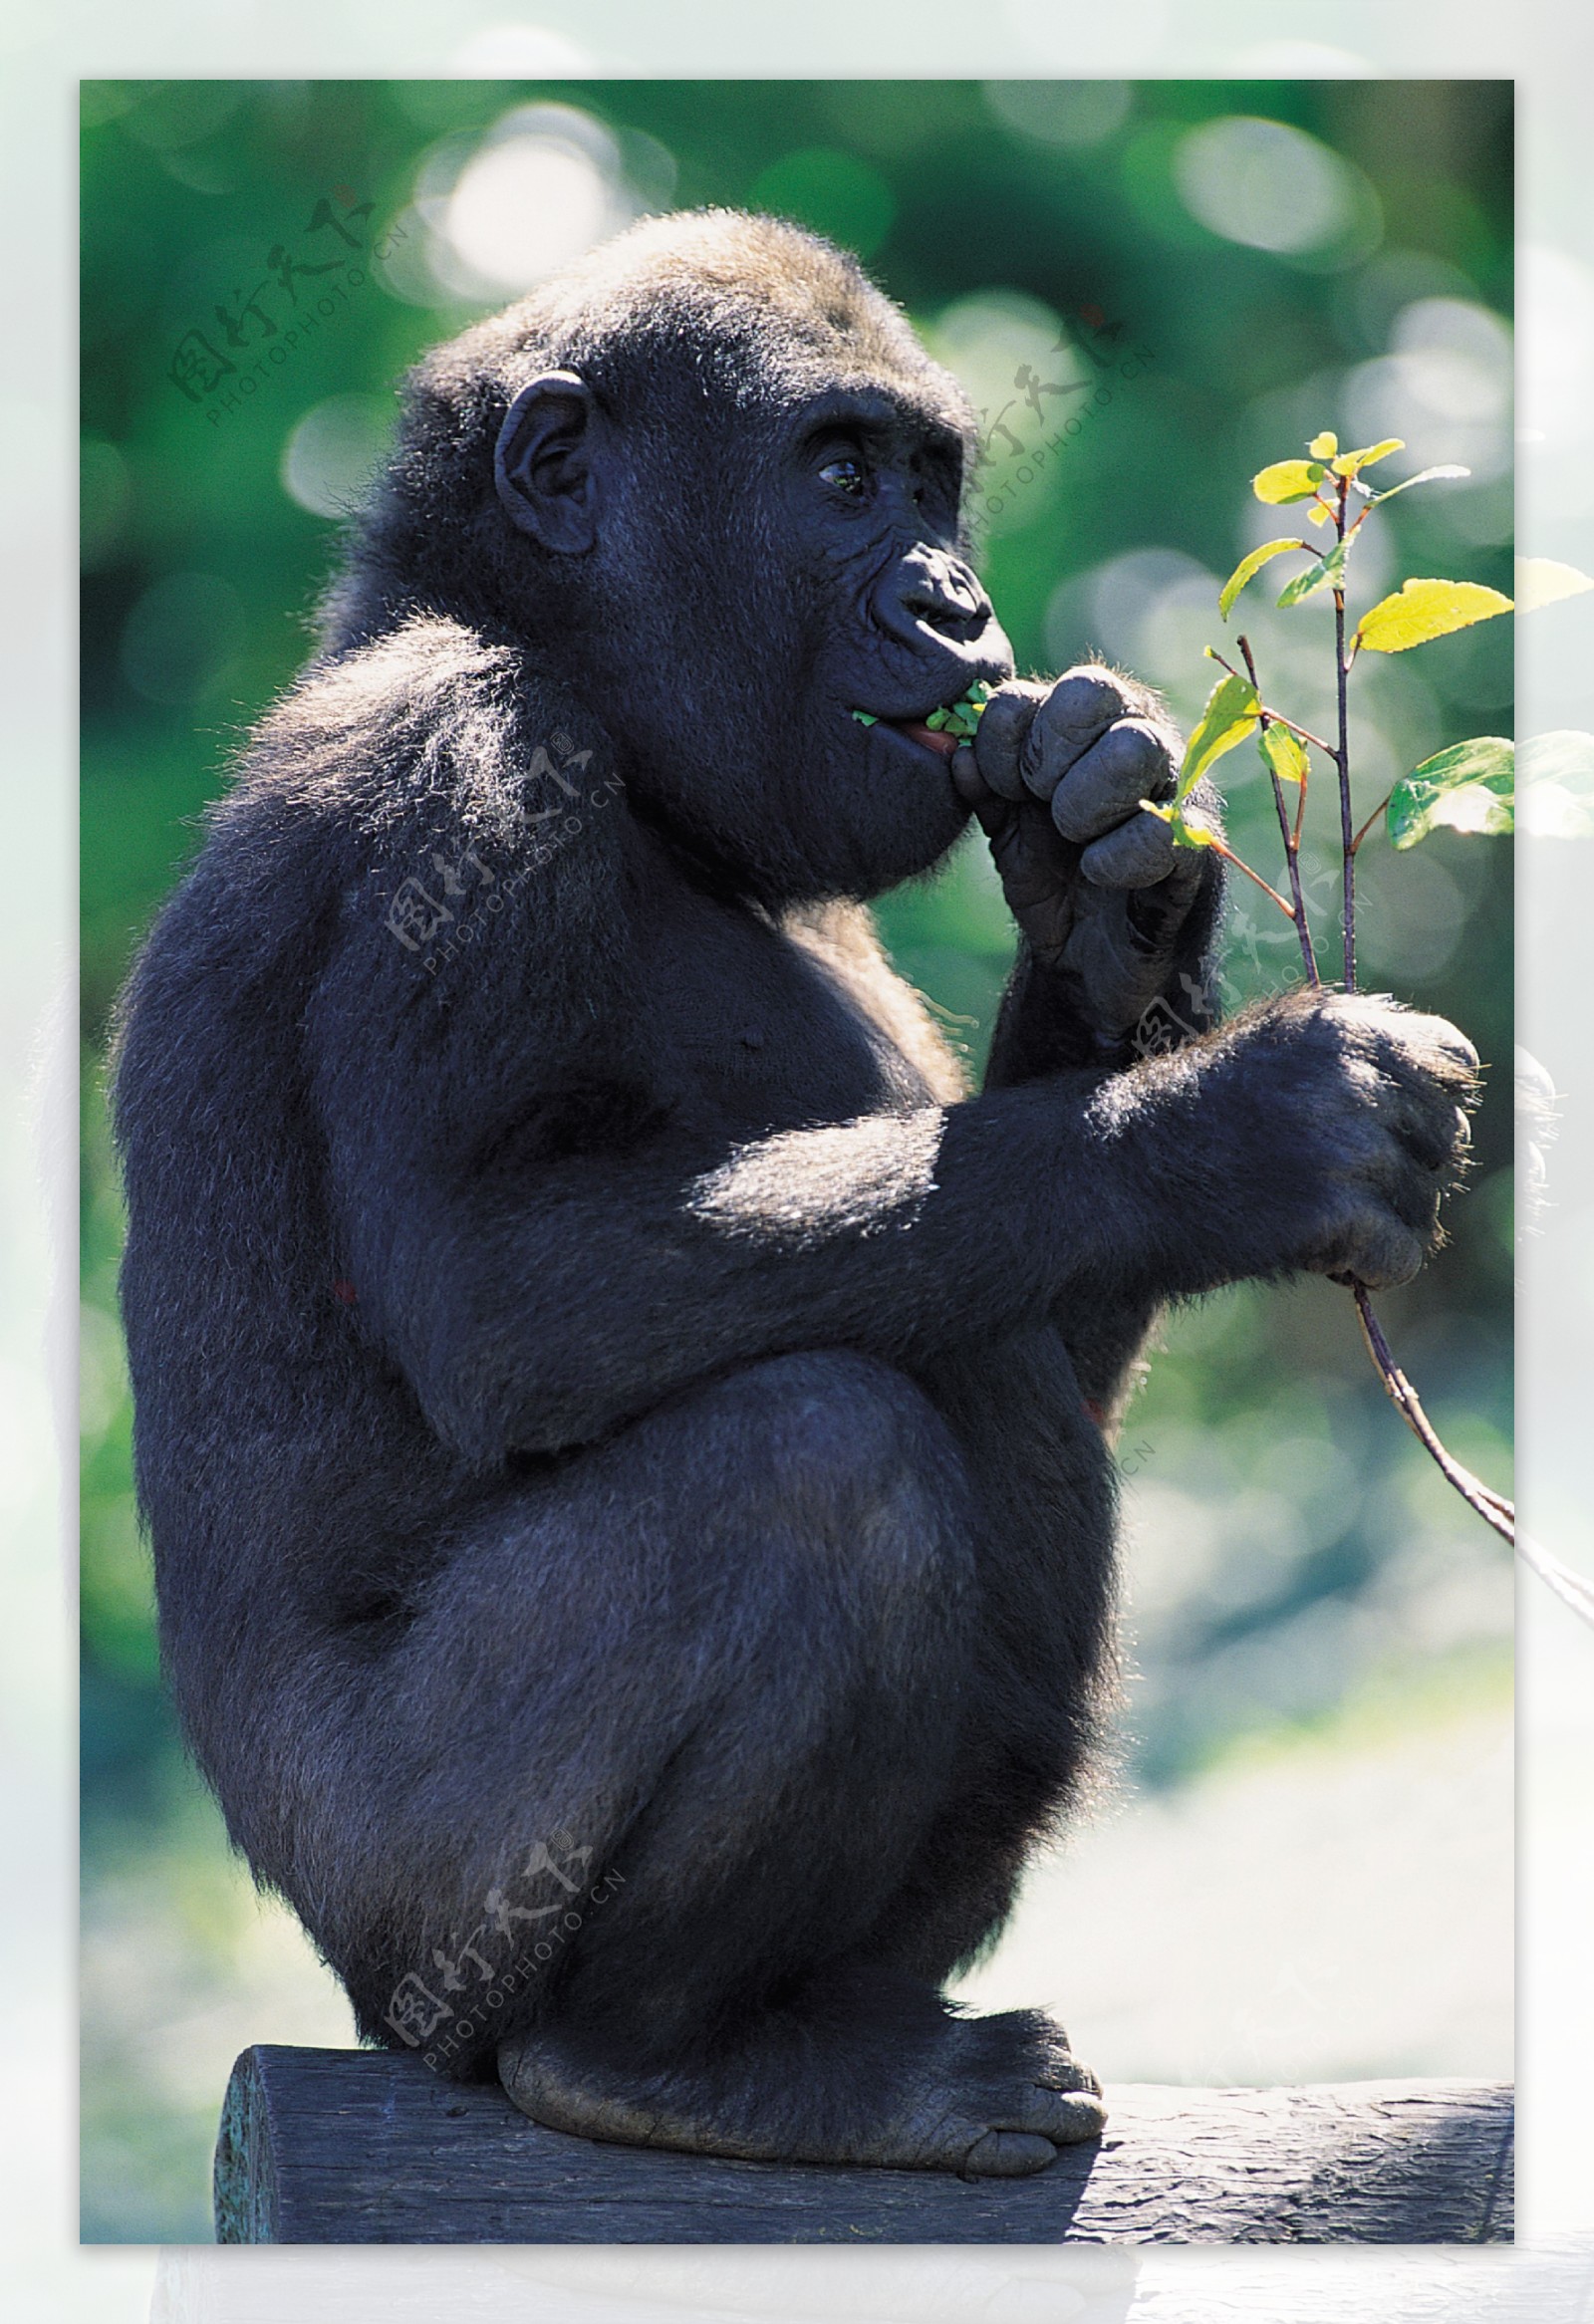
{"x":365,"y":2147}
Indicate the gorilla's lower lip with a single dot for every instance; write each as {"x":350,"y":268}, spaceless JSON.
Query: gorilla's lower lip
{"x":915,"y":730}
{"x":932,"y":737}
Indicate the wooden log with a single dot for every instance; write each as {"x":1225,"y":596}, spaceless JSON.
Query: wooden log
{"x":368,"y":2147}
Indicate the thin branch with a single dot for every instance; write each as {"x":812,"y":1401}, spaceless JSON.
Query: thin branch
{"x":1491,"y":1506}
{"x":1277,"y":717}
{"x":1305,"y":732}
{"x":1291,"y":843}
{"x":1371,"y":820}
{"x":1218,"y":849}
{"x":1342,"y":760}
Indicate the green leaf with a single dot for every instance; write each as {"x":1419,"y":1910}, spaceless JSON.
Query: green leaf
{"x":1192,"y":834}
{"x":1324,"y":446}
{"x":1352,"y":463}
{"x":1287,"y":480}
{"x":1330,"y":574}
{"x":1233,"y":709}
{"x":1427,"y":609}
{"x":1283,"y":753}
{"x":1186,"y":835}
{"x":1423,"y":477}
{"x":1470,"y":787}
{"x":1248,"y":567}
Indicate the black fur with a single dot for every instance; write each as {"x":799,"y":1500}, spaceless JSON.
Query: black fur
{"x":612,"y":1411}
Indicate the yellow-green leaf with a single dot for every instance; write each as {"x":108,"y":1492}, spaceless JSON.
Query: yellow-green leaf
{"x":1248,"y":567}
{"x":1427,"y":609}
{"x":1470,"y":787}
{"x":1352,"y":463}
{"x":1233,"y":709}
{"x":1447,"y":468}
{"x":1186,"y":835}
{"x":1283,"y":753}
{"x":1192,"y":834}
{"x":1287,"y":480}
{"x":1317,"y":514}
{"x":1324,"y":446}
{"x":1330,"y":574}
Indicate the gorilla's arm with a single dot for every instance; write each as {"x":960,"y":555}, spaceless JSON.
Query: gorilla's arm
{"x":569,"y":1267}
{"x":1043,"y":1028}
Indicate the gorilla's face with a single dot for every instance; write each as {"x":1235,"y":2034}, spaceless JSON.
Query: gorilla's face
{"x":893,"y":622}
{"x":770,"y":601}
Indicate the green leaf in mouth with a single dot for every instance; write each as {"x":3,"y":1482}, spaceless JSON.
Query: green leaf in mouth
{"x":960,"y":718}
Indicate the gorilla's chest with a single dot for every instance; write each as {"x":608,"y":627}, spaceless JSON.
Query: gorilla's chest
{"x":751,"y":1032}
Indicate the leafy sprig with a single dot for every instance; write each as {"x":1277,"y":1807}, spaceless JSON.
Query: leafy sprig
{"x":1468,"y":787}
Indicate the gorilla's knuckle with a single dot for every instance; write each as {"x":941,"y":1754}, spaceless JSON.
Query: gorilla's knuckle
{"x":1090,"y":682}
{"x":1137,"y":853}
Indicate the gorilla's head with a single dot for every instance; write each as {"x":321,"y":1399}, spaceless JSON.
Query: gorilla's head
{"x":710,"y":482}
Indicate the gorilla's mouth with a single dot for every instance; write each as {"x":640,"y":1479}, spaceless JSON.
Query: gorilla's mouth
{"x":942,"y":727}
{"x":934,"y":738}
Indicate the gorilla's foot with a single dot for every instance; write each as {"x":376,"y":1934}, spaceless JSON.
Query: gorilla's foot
{"x":991,"y":2097}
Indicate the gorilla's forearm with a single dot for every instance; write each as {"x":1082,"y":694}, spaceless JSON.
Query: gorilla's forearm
{"x":1043,"y":1026}
{"x":1042,"y":1030}
{"x":537,"y":1320}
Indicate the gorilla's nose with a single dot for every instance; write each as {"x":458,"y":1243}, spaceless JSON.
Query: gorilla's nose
{"x":932,"y":589}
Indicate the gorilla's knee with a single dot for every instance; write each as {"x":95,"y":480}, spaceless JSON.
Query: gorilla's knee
{"x":846,"y":1451}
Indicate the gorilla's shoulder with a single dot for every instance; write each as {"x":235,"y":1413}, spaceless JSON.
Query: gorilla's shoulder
{"x":428,"y":710}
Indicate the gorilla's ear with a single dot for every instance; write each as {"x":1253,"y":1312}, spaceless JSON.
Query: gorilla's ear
{"x":544,"y":464}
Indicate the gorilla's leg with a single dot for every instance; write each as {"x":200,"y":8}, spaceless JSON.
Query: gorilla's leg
{"x":725,"y":2000}
{"x":728,"y":1652}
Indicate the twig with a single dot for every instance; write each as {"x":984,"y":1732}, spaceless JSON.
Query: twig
{"x":1343,"y":761}
{"x":1277,"y":717}
{"x":1218,"y":849}
{"x":1291,"y":841}
{"x":1305,"y":733}
{"x":1371,"y":820}
{"x":1491,"y":1506}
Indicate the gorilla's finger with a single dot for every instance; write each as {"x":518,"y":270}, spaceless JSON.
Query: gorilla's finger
{"x":999,"y":737}
{"x":967,"y":780}
{"x":1439,"y":1136}
{"x":1136,"y":853}
{"x":1078,"y":709}
{"x":1130,"y":762}
{"x":1381,"y":1252}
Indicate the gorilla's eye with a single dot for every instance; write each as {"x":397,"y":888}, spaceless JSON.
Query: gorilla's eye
{"x":846,"y":476}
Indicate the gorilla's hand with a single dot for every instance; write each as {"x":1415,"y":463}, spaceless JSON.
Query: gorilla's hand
{"x":1340,"y":1120}
{"x":1055,"y":776}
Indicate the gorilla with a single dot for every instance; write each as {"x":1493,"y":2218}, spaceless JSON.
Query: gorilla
{"x":624,"y":1430}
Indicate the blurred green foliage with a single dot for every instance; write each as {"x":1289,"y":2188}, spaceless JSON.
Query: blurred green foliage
{"x":1237,"y":265}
